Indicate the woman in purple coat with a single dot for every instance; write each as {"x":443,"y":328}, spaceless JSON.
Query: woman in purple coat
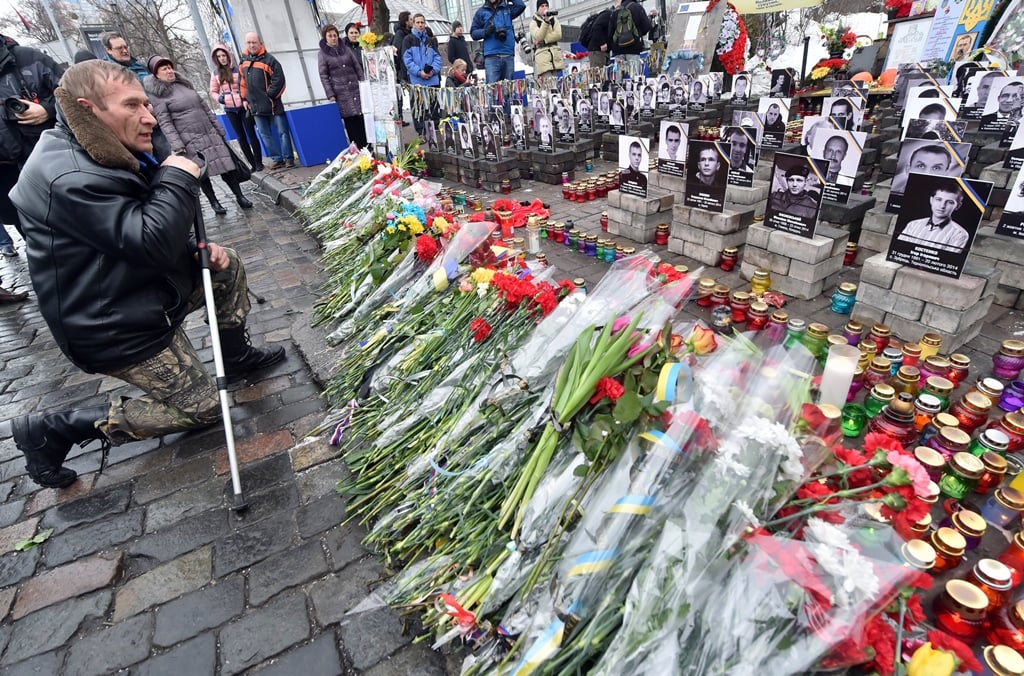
{"x":341,"y":69}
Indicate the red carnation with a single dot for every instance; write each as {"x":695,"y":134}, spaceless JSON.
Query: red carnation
{"x":607,"y":387}
{"x":426,"y":248}
{"x":480,"y":328}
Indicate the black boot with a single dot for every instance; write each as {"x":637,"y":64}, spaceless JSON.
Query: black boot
{"x":47,"y":438}
{"x":240,"y":357}
{"x":240,"y":197}
{"x":207,"y":188}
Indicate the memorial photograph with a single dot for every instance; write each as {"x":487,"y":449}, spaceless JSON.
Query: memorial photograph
{"x":707,"y":171}
{"x":633,"y":165}
{"x":924,"y":156}
{"x":796,"y":191}
{"x":672,"y":147}
{"x":937,"y":223}
{"x":842,"y":151}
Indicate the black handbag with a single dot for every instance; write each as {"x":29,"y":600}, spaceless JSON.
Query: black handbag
{"x":242,"y":170}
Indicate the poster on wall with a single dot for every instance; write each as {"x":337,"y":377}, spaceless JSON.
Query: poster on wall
{"x":775,"y":113}
{"x":924,"y":156}
{"x":1012,"y":222}
{"x":907,"y":41}
{"x":942,"y":31}
{"x":672,"y":148}
{"x":634,"y":154}
{"x":841,"y":151}
{"x":796,"y":188}
{"x":938,"y":222}
{"x":973,"y":19}
{"x":742,"y":155}
{"x":707,"y":170}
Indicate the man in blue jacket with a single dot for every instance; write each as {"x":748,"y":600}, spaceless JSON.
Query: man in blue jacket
{"x":492,"y":23}
{"x":423,"y":64}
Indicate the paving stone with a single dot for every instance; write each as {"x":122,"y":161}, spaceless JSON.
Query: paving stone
{"x":311,"y":451}
{"x":319,"y":657}
{"x":283,"y":417}
{"x":88,"y":509}
{"x":12,"y":535}
{"x":321,"y":480}
{"x":11,"y":512}
{"x":320,"y":515}
{"x":6,"y":598}
{"x":256,"y":448}
{"x":263,"y":633}
{"x":266,"y":473}
{"x":200,"y":610}
{"x":345,"y":544}
{"x":59,"y":584}
{"x":111,"y":648}
{"x":162,"y":482}
{"x":182,"y":537}
{"x":198,"y":656}
{"x":184,"y":504}
{"x":337,"y":594}
{"x":16,"y":566}
{"x":413,"y":660}
{"x":371,"y":636}
{"x":166,"y":582}
{"x":50,"y":663}
{"x":93,"y":537}
{"x":45,"y":499}
{"x":287,"y":569}
{"x":52,"y":627}
{"x":254,"y":543}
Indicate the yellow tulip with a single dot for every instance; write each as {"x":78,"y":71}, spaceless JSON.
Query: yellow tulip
{"x":928,"y":661}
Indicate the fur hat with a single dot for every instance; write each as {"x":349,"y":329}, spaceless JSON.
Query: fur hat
{"x":155,"y":62}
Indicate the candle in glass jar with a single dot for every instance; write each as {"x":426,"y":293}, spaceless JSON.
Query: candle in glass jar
{"x":993,"y":579}
{"x":838,"y":374}
{"x":960,"y":610}
{"x":1006,"y":626}
{"x":930,"y":344}
{"x":1003,"y":508}
{"x":1001,"y":660}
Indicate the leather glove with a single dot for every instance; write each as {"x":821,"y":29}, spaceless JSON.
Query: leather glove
{"x":489,"y":30}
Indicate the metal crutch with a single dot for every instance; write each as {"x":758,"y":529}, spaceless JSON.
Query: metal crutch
{"x":238,"y":503}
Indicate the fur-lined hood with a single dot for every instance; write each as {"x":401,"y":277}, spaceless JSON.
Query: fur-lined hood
{"x":161,"y":89}
{"x":94,"y":136}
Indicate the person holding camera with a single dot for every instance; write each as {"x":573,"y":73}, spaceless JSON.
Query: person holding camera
{"x":27,"y":80}
{"x":546,"y":32}
{"x":492,"y":23}
{"x":423,"y":64}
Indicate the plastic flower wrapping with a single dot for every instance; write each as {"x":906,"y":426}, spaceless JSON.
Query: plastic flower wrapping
{"x":580,"y":482}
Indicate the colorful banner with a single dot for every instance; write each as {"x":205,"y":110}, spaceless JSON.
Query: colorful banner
{"x":765,"y":6}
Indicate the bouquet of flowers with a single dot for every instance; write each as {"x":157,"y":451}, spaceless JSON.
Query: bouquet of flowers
{"x":837,"y":39}
{"x":370,"y":40}
{"x":732,"y":40}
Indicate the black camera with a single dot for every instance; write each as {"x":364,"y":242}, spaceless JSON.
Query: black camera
{"x":428,"y":69}
{"x":501,"y":34}
{"x":14,"y":106}
{"x":553,"y":13}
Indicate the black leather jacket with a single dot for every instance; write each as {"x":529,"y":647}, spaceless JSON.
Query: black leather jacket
{"x":110,"y":242}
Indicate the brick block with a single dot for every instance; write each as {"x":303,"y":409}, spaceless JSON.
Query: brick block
{"x":876,"y":220}
{"x":952,"y":321}
{"x":990,"y":154}
{"x":752,"y":195}
{"x":998,"y":247}
{"x":813,"y":250}
{"x":838,"y":236}
{"x":713,"y":240}
{"x":688,"y":233}
{"x":813,"y":272}
{"x":987,"y":270}
{"x":723,"y":223}
{"x":1006,"y":296}
{"x":848,"y":213}
{"x":701,"y":253}
{"x":656,"y":201}
{"x":867,"y":314}
{"x":953,"y":294}
{"x":681,"y":214}
{"x":887,"y":301}
{"x":873,"y":241}
{"x":675,"y":245}
{"x":1001,"y":178}
{"x":792,"y":286}
{"x":758,"y":235}
{"x":775,"y":263}
{"x":879,"y":272}
{"x":882,"y":190}
{"x":1012,"y":273}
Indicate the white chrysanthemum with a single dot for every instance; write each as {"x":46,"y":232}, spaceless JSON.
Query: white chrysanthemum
{"x":854,"y":575}
{"x":743,"y":508}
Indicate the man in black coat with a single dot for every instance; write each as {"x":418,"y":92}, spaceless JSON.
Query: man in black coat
{"x":112,"y":257}
{"x":29,"y":77}
{"x":403,"y":29}
{"x":600,"y":34}
{"x":457,"y":47}
{"x":629,"y":52}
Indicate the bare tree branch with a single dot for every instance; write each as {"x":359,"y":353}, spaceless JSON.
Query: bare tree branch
{"x":41,"y":29}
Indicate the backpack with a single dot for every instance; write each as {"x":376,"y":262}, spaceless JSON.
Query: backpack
{"x":587,"y":29}
{"x":625,"y":33}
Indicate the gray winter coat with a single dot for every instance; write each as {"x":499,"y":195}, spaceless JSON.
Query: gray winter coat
{"x":341,"y":69}
{"x":188,"y":122}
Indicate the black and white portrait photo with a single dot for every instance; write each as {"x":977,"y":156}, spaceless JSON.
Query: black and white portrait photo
{"x":633,"y":162}
{"x":924,"y":156}
{"x":775,"y":113}
{"x":841,"y":150}
{"x":782,"y":82}
{"x":707,"y":171}
{"x":672,"y":147}
{"x":742,"y":155}
{"x":796,"y":189}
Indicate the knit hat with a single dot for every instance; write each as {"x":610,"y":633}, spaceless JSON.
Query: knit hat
{"x":84,"y":55}
{"x":456,"y":24}
{"x":798,"y":170}
{"x":541,"y":2}
{"x":156,"y":61}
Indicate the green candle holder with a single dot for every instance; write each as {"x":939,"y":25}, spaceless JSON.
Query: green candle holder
{"x":855,"y":417}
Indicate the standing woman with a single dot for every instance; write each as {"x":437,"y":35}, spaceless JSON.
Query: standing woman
{"x":224,"y":90}
{"x":191,"y":128}
{"x":352,"y":40}
{"x":340,"y":72}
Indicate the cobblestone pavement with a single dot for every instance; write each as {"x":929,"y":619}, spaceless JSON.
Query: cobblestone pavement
{"x":147,"y":571}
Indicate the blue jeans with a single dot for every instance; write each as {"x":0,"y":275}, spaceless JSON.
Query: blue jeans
{"x":5,"y":238}
{"x":499,"y":68}
{"x":279,"y":142}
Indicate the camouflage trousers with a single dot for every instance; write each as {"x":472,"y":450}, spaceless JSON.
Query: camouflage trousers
{"x":180,"y":394}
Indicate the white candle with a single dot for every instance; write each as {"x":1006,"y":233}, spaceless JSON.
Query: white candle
{"x":839,"y":369}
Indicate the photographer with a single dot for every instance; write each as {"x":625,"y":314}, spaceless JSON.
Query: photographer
{"x":546,"y":32}
{"x":422,"y":62}
{"x":492,"y":23}
{"x":27,"y":80}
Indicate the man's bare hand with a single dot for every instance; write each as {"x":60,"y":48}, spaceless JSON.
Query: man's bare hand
{"x":218,"y":257}
{"x":35,"y":114}
{"x":183,"y":163}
